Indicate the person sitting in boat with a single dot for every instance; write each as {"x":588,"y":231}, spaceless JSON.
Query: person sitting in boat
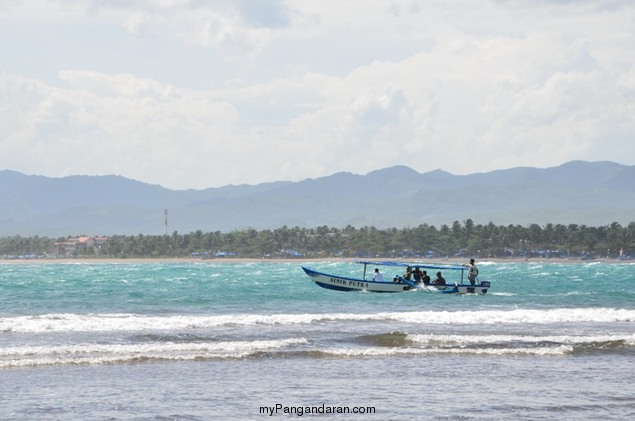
{"x":440,"y":280}
{"x":378,"y":277}
{"x":425,"y":278}
{"x":417,"y":274}
{"x":405,"y":276}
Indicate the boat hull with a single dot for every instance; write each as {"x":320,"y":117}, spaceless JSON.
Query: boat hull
{"x":341,"y":283}
{"x":481,"y":288}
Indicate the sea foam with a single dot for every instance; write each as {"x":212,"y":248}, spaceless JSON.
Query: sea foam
{"x":134,"y":322}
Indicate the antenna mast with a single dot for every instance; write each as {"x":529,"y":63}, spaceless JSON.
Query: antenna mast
{"x":165,"y":215}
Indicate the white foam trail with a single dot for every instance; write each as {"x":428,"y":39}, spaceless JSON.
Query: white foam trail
{"x":29,"y":356}
{"x":519,"y":316}
{"x":472,"y":340}
{"x":133,"y":322}
{"x":381,"y":351}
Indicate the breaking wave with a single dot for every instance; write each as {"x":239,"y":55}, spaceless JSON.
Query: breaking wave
{"x":135,"y":322}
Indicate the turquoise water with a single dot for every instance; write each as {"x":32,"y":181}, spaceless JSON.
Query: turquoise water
{"x":210,"y":340}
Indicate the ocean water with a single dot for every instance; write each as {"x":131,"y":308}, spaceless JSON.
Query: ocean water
{"x":217,"y":340}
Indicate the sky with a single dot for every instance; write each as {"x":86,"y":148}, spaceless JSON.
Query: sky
{"x":192,"y":94}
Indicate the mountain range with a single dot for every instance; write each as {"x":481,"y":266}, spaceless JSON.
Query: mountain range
{"x":578,"y":192}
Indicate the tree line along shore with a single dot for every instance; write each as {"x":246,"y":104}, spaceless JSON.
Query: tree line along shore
{"x":461,"y":239}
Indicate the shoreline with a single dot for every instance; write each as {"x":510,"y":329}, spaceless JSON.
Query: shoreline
{"x":237,"y":260}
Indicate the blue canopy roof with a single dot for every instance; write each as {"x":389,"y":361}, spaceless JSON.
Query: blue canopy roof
{"x":439,"y":266}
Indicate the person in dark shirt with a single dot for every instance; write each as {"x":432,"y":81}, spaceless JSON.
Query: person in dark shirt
{"x":440,"y":280}
{"x":425,"y":278}
{"x":417,"y":274}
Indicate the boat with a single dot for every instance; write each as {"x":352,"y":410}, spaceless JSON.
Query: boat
{"x":397,"y":283}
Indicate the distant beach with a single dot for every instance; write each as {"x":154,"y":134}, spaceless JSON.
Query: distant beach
{"x":237,"y":260}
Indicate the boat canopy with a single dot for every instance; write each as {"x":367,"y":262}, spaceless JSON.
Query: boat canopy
{"x":414,"y":264}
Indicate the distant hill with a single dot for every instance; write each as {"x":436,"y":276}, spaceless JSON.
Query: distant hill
{"x":584,"y":193}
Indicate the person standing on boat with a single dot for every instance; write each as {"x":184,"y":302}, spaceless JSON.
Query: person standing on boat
{"x":378,"y":277}
{"x":473,"y":273}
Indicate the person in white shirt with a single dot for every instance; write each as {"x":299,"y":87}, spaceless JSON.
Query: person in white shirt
{"x":378,"y":276}
{"x":473,"y":273}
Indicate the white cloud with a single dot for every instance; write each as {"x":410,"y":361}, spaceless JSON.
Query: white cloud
{"x":199,"y":94}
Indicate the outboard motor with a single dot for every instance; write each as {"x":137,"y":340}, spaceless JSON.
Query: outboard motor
{"x":485,"y":284}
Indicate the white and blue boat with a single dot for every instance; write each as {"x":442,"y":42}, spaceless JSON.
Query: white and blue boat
{"x":398,"y":283}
